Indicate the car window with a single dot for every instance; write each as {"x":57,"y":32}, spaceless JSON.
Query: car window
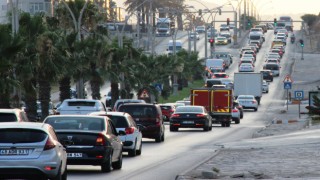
{"x":81,"y":103}
{"x":119,"y":121}
{"x":19,"y":135}
{"x":139,"y":111}
{"x":189,"y":109}
{"x":76,"y":123}
{"x":8,"y":117}
{"x":111,"y":129}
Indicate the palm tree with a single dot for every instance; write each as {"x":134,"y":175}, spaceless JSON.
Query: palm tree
{"x":9,"y":50}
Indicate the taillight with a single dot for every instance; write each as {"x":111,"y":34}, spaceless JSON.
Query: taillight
{"x":129,"y":130}
{"x":49,"y":144}
{"x":100,"y":141}
{"x":201,"y":115}
{"x":175,"y":115}
{"x":171,"y":111}
{"x":213,"y":76}
{"x":254,"y":101}
{"x":158,"y":123}
{"x":234,"y":110}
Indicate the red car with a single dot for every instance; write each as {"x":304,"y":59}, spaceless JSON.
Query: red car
{"x":219,"y":75}
{"x":167,"y":110}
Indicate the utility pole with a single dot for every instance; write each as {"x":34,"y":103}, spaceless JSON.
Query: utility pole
{"x":244,"y":15}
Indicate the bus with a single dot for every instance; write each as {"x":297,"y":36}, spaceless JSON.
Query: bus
{"x":287,"y":21}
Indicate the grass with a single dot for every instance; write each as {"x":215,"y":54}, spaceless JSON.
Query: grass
{"x":185,"y":92}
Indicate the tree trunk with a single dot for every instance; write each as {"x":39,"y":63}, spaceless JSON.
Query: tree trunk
{"x":30,"y":99}
{"x":44,"y":97}
{"x":5,"y":99}
{"x":64,"y":87}
{"x":95,"y":83}
{"x":180,"y":22}
{"x":114,"y":92}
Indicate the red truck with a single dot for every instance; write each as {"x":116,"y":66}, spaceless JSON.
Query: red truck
{"x":218,"y":103}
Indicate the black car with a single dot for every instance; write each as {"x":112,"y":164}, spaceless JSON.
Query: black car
{"x":267,"y":75}
{"x":89,"y":140}
{"x":149,"y":116}
{"x":190,"y":117}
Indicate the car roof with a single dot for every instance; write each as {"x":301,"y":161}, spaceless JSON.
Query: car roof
{"x":88,"y":100}
{"x":14,"y":110}
{"x":25,"y":125}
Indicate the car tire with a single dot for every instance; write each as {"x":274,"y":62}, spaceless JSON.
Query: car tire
{"x":159,"y":138}
{"x":162,"y":137}
{"x":106,"y":166}
{"x":228,"y":124}
{"x":223,"y":124}
{"x":140,"y":149}
{"x":133,"y":152}
{"x":237,"y":121}
{"x":173,"y":129}
{"x":206,"y":128}
{"x":255,"y":109}
{"x":118,"y":164}
{"x":267,"y":91}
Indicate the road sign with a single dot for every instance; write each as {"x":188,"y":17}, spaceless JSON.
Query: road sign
{"x":298,"y":95}
{"x":287,"y":85}
{"x":287,"y":79}
{"x":144,"y":94}
{"x":158,"y":87}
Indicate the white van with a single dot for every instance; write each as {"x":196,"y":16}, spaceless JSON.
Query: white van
{"x":80,"y":106}
{"x":171,"y":44}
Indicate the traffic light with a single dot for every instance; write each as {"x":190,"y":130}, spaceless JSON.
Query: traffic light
{"x":228,"y":21}
{"x":249,"y":22}
{"x":211,"y":41}
{"x":301,"y":42}
{"x":275,"y":21}
{"x":200,"y":12}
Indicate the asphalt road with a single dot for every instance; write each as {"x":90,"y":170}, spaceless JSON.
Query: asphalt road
{"x":184,"y":149}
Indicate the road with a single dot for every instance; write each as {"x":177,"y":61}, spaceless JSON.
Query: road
{"x":186,"y":148}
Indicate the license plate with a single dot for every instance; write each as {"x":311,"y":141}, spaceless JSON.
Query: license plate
{"x":9,"y":152}
{"x":188,"y":122}
{"x":74,"y":155}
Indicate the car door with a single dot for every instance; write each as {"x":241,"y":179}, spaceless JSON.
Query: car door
{"x":115,"y":140}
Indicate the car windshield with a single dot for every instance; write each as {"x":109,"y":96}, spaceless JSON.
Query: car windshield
{"x":139,"y":111}
{"x":76,"y":123}
{"x":20,"y":135}
{"x":188,"y":109}
{"x":8,"y":117}
{"x":119,"y":121}
{"x":221,"y":39}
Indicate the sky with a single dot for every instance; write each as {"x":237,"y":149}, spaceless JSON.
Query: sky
{"x":284,"y":7}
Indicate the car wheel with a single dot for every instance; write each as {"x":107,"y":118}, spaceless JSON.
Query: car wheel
{"x":133,"y":152}
{"x":140,"y":149}
{"x":255,"y":109}
{"x":162,"y":138}
{"x":237,"y":121}
{"x":64,"y":175}
{"x":118,"y":164}
{"x":172,"y":129}
{"x":267,"y":91}
{"x":106,"y":166}
{"x":159,"y":138}
{"x":206,"y":128}
{"x":223,"y":124}
{"x":59,"y":175}
{"x":228,"y":124}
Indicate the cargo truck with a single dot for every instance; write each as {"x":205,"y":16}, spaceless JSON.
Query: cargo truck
{"x":218,"y":102}
{"x":248,"y":84}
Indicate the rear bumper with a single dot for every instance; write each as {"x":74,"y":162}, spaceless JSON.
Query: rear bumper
{"x":24,"y":173}
{"x":90,"y":156}
{"x":199,"y":123}
{"x":152,"y":132}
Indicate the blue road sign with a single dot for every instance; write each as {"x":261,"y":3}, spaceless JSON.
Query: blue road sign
{"x":158,"y":87}
{"x":298,"y":95}
{"x":287,"y":85}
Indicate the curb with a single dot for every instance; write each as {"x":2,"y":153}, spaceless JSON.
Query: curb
{"x":183,"y":176}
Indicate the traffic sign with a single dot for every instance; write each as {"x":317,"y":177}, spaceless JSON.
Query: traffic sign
{"x":158,"y":87}
{"x":144,"y":94}
{"x":287,"y":79}
{"x":298,"y":95}
{"x":287,"y":85}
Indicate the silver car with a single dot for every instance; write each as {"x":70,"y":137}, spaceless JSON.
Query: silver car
{"x":248,"y":102}
{"x":31,"y":150}
{"x":265,"y":86}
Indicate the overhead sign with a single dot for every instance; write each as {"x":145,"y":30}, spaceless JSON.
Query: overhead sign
{"x":287,"y":79}
{"x":287,"y":85}
{"x":298,"y":95}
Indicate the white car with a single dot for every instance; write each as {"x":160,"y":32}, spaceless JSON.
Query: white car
{"x":235,"y":115}
{"x":32,"y":151}
{"x":246,"y":67}
{"x":248,"y":102}
{"x":80,"y":106}
{"x":132,"y":141}
{"x":265,"y":86}
{"x":194,"y":35}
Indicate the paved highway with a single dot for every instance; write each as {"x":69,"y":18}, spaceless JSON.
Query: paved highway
{"x":188,"y":147}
